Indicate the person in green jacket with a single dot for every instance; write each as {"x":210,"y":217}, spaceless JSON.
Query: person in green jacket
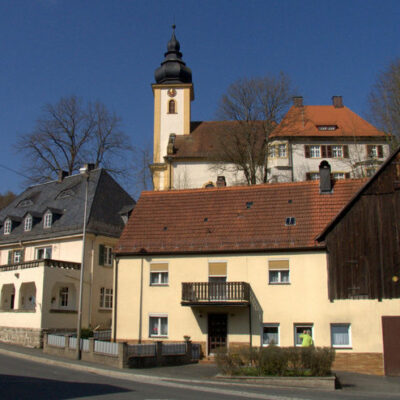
{"x":307,"y":339}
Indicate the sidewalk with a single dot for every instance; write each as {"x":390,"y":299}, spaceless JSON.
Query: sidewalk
{"x":350,"y":382}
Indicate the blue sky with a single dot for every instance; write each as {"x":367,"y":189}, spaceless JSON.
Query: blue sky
{"x":108,"y":50}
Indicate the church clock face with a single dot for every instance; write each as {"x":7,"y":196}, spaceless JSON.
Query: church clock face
{"x":171,"y":92}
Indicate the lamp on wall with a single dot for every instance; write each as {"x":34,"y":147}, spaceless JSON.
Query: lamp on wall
{"x":85,"y":172}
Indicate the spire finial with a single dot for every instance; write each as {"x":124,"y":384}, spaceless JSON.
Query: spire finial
{"x":173,"y":26}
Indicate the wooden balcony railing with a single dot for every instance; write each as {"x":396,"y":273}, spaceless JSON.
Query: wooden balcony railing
{"x":222,"y":293}
{"x":47,"y":262}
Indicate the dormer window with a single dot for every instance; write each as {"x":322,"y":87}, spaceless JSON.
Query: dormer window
{"x":48,"y":219}
{"x":7,"y":226}
{"x":171,"y":107}
{"x":327,"y":127}
{"x":28,"y":223}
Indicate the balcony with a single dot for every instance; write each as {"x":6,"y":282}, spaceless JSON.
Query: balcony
{"x":215,"y":293}
{"x":40,"y":263}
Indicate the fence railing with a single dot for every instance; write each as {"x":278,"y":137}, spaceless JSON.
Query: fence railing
{"x":106,"y":347}
{"x":203,"y":292}
{"x":173,"y":348}
{"x":142,"y":350}
{"x":47,"y":262}
{"x":56,"y":340}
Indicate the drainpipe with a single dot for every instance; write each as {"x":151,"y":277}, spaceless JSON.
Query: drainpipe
{"x":141,"y":301}
{"x":169,"y":160}
{"x":115,"y":302}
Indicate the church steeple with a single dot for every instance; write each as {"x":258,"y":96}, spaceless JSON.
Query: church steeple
{"x":173,"y":69}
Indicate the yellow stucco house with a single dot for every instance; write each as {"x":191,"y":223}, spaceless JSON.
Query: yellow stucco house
{"x":41,"y":244}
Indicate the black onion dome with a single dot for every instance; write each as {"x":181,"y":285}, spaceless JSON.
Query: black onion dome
{"x":173,"y":69}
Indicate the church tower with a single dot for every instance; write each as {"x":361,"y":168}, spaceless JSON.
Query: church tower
{"x":173,"y":93}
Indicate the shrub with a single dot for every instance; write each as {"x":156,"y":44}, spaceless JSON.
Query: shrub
{"x":273,"y":360}
{"x":86,"y":333}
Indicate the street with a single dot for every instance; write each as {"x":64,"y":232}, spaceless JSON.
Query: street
{"x":23,"y":379}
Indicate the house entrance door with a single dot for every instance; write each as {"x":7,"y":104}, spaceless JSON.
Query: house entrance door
{"x":217,"y":331}
{"x":391,"y":345}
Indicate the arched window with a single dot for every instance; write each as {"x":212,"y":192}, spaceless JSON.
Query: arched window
{"x":171,"y":107}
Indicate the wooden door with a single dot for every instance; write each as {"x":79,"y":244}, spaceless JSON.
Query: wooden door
{"x":391,"y":345}
{"x":217,"y":331}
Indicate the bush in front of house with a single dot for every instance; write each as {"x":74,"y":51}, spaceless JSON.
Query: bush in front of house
{"x":276,"y":361}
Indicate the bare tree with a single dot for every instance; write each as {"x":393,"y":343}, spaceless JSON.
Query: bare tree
{"x":257,"y":105}
{"x":70,"y":133}
{"x":141,"y":170}
{"x":6,"y":199}
{"x":384,"y":101}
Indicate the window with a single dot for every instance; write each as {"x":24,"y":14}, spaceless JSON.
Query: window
{"x":312,"y":176}
{"x":106,"y":298}
{"x":290,"y":221}
{"x":370,"y":171}
{"x":64,"y":296}
{"x":327,"y":127}
{"x":158,"y":274}
{"x":270,"y":334}
{"x":216,"y":280}
{"x":282,"y":150}
{"x":375,"y":151}
{"x":271,"y":151}
{"x":43,"y":252}
{"x":338,"y":175}
{"x":28,"y":223}
{"x":337,"y":151}
{"x":48,"y":219}
{"x":7,"y":226}
{"x":15,"y":256}
{"x":278,"y":271}
{"x":299,"y":329}
{"x":315,"y":151}
{"x":340,"y":335}
{"x":105,"y":255}
{"x":171,"y":107}
{"x":158,"y":325}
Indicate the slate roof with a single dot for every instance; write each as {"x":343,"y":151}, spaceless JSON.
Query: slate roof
{"x":304,"y":121}
{"x":207,"y":137}
{"x":66,"y":199}
{"x":233,"y":219}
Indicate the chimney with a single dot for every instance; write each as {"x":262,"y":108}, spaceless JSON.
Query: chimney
{"x":337,"y":101}
{"x":61,"y":175}
{"x":325,"y":183}
{"x":89,"y":167}
{"x":221,"y":182}
{"x":298,"y":101}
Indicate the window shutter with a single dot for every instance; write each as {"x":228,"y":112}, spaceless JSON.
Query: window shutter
{"x":306,"y":151}
{"x":346,"y":151}
{"x":329,"y":151}
{"x":101,"y":254}
{"x":347,"y":175}
{"x":308,"y":176}
{"x":217,"y":269}
{"x":278,"y":265}
{"x":10,"y":253}
{"x":159,"y":267}
{"x":323,"y":151}
{"x":380,"y":151}
{"x":369,"y":150}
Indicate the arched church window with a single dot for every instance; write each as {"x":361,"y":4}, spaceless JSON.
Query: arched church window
{"x":171,"y":107}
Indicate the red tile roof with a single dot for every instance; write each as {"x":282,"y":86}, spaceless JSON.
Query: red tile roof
{"x":250,"y":218}
{"x":207,"y":137}
{"x":304,"y":121}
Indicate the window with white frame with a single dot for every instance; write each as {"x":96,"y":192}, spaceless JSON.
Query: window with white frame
{"x":106,"y":298}
{"x":48,"y":219}
{"x":282,"y":150}
{"x":7,"y":226}
{"x":158,"y":325}
{"x":375,"y":151}
{"x":299,"y":329}
{"x":337,"y":151}
{"x":271,"y":151}
{"x":159,"y":274}
{"x":43,"y":252}
{"x":340,"y":335}
{"x":17,"y":256}
{"x":312,"y":176}
{"x":338,"y":175}
{"x":63,"y":296}
{"x":28,"y":223}
{"x":270,"y":334}
{"x":278,"y":272}
{"x":105,"y":255}
{"x":315,"y":151}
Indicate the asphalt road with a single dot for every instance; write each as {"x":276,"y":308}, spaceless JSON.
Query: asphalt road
{"x":23,"y":379}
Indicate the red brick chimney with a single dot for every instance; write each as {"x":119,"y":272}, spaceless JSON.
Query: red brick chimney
{"x":337,"y":101}
{"x":298,"y":101}
{"x":221,"y":182}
